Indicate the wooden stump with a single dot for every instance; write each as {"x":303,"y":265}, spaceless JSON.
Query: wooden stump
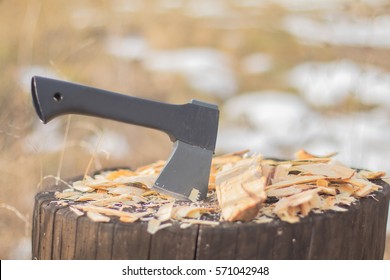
{"x":359,"y":233}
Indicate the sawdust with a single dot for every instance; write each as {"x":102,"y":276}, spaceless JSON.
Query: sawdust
{"x":242,"y":187}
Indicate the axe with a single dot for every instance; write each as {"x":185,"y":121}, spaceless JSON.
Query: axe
{"x":192,"y":127}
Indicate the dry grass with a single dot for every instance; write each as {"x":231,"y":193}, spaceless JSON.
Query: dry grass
{"x":60,"y":35}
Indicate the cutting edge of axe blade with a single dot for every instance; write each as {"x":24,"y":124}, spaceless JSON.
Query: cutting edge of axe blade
{"x":187,"y":165}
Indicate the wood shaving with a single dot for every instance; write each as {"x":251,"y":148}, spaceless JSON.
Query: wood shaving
{"x":97,"y":217}
{"x":242,"y":187}
{"x":156,"y":225}
{"x":194,"y":195}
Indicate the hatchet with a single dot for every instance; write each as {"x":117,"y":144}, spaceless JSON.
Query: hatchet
{"x":192,"y":127}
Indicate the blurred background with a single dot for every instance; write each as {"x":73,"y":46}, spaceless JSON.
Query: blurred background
{"x":312,"y":74}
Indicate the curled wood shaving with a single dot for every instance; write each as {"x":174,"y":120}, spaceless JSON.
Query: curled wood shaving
{"x":371,"y":175}
{"x":189,"y":212}
{"x":240,"y":190}
{"x":110,"y":212}
{"x":92,"y":196}
{"x":302,"y":154}
{"x":295,"y":181}
{"x":194,"y":195}
{"x":330,"y":171}
{"x":97,"y":217}
{"x":68,"y":195}
{"x":76,"y":211}
{"x":165,"y":212}
{"x":200,"y":222}
{"x":156,"y":225}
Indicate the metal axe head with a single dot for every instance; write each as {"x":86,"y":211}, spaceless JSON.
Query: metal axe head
{"x":192,"y":127}
{"x":188,"y":168}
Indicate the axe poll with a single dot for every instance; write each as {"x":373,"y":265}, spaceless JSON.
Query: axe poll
{"x":192,"y":127}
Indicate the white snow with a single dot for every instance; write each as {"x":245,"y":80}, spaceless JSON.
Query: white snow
{"x":341,"y":30}
{"x":267,"y":122}
{"x":205,"y":69}
{"x":329,"y":84}
{"x":256,"y":63}
{"x":27,"y":72}
{"x":132,"y":47}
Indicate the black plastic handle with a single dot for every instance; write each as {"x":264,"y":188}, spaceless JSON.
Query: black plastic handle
{"x":195,"y":123}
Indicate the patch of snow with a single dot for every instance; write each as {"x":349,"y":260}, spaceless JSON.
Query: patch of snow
{"x":256,"y":63}
{"x":45,"y":138}
{"x":329,"y":84}
{"x":132,"y":47}
{"x":207,"y":8}
{"x":308,"y":5}
{"x":206,"y":70}
{"x":170,"y":4}
{"x":274,"y":112}
{"x":113,"y":143}
{"x":84,"y":17}
{"x":22,"y":251}
{"x":126,"y":6}
{"x":277,"y":120}
{"x":27,"y":72}
{"x":362,"y":32}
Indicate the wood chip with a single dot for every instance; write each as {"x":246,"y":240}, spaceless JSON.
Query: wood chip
{"x":97,"y":217}
{"x":295,"y":181}
{"x":129,"y":190}
{"x":194,"y":195}
{"x":330,"y":171}
{"x":302,"y":154}
{"x":76,"y":211}
{"x":155,"y":225}
{"x":372,"y":175}
{"x":68,"y":195}
{"x":109,"y":211}
{"x":165,"y":212}
{"x":240,"y":191}
{"x":200,"y":222}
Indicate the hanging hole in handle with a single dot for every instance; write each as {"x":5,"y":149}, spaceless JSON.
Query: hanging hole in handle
{"x":57,"y":97}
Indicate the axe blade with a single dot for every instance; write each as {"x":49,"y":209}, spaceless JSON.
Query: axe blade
{"x":187,"y":168}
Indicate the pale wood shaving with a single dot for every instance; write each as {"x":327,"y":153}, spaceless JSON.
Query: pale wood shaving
{"x":76,"y":211}
{"x":330,"y":171}
{"x":240,"y":190}
{"x":296,"y":180}
{"x":113,"y":199}
{"x":82,"y":187}
{"x":189,"y":212}
{"x":129,"y":190}
{"x":200,"y":222}
{"x":371,"y":175}
{"x":92,"y":196}
{"x":109,"y":211}
{"x":194,"y":195}
{"x":97,"y":217}
{"x":68,"y":195}
{"x":155,"y":225}
{"x":165,"y":212}
{"x":302,"y":154}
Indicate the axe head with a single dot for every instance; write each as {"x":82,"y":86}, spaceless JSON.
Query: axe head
{"x":188,"y":168}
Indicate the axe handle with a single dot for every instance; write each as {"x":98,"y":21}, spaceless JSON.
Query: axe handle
{"x":192,"y":123}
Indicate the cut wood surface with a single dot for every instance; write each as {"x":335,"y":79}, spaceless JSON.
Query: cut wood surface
{"x":307,"y":208}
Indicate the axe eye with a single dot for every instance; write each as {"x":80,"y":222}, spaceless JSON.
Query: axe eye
{"x":57,"y":97}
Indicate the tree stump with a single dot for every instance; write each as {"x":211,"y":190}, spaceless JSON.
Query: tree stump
{"x":359,"y":233}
